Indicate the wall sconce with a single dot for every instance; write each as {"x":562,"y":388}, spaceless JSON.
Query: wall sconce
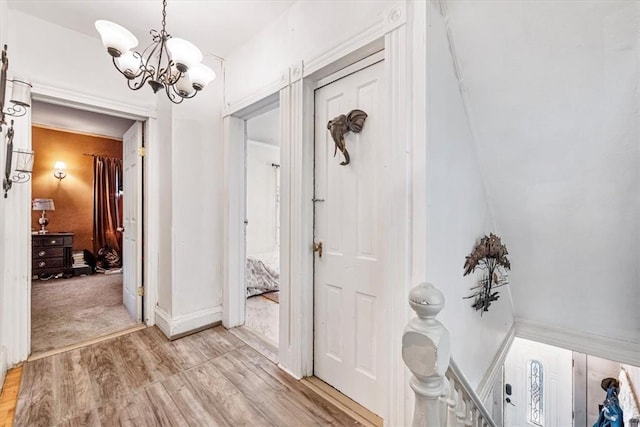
{"x":20,"y":101}
{"x":59,"y":170}
{"x":23,"y":164}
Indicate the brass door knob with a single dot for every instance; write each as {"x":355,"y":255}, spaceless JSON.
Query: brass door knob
{"x":317,"y":247}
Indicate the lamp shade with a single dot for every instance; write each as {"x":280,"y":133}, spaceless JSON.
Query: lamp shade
{"x":129,"y":64}
{"x":43,"y":205}
{"x":184,"y":86}
{"x":60,"y":165}
{"x":183,"y":53}
{"x":201,"y":76}
{"x":115,"y":38}
{"x":21,"y":92}
{"x":24,"y":160}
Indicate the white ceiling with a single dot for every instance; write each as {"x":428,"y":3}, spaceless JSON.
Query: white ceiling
{"x":216,"y":27}
{"x":71,"y":119}
{"x":553,"y":97}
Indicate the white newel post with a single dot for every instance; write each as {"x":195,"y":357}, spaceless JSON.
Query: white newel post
{"x":426,"y":352}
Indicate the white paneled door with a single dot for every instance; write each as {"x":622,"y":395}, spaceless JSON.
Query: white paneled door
{"x":132,"y":207}
{"x":350,"y":345}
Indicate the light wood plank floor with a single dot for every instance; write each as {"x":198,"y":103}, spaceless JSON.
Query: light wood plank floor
{"x":207,"y":379}
{"x":9,"y":396}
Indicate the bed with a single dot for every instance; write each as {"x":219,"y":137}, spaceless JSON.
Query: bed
{"x":263,"y":273}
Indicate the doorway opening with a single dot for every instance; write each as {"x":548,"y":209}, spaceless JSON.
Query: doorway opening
{"x":85,"y":272}
{"x":263,"y":224}
{"x":547,"y":385}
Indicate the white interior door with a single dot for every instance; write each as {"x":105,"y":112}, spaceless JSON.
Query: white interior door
{"x":349,"y":339}
{"x":538,"y":371}
{"x":132,"y":207}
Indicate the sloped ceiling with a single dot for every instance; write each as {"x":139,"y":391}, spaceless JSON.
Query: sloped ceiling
{"x":553,"y":100}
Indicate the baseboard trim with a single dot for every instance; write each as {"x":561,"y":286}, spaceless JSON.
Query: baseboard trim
{"x":163,"y":321}
{"x":187,"y":324}
{"x":596,"y":345}
{"x":484,"y":388}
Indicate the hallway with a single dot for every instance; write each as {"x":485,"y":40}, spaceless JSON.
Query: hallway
{"x":208,"y":378}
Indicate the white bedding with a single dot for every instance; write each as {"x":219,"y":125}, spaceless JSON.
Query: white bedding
{"x":263,"y":274}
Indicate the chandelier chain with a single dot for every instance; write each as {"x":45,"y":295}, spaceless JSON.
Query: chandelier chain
{"x":164,"y":15}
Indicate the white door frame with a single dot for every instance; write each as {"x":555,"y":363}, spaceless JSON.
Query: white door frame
{"x":18,"y":273}
{"x":235,"y":213}
{"x":402,"y":32}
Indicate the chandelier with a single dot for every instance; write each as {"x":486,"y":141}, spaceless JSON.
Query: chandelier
{"x":168,"y":62}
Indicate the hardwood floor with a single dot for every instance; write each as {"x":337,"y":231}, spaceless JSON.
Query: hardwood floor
{"x":9,"y":396}
{"x":207,"y":379}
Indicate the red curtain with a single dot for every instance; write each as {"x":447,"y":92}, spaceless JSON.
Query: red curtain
{"x":107,"y":186}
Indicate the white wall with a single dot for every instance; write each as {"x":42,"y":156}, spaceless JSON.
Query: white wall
{"x":190,"y":276}
{"x":261,"y":197}
{"x":164,"y":153}
{"x":553,"y":88}
{"x":306,"y":29}
{"x":457,"y":216}
{"x":52,"y":55}
{"x":197,"y":209}
{"x":4,"y":11}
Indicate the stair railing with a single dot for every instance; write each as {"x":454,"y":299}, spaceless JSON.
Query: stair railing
{"x":443,"y":395}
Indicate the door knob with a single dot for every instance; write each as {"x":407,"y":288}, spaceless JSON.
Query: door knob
{"x":317,"y":247}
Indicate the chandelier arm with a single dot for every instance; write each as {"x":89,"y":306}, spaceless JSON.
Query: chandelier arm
{"x":139,"y":84}
{"x":162,"y":73}
{"x":173,"y":95}
{"x":145,"y":62}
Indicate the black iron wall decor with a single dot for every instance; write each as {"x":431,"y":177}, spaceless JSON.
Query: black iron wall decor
{"x":18,"y":104}
{"x":341,"y":125}
{"x":489,"y":255}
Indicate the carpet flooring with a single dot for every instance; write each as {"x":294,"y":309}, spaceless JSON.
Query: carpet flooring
{"x":71,"y":311}
{"x":263,"y":318}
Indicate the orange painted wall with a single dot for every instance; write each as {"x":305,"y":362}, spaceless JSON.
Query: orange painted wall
{"x":73,"y":196}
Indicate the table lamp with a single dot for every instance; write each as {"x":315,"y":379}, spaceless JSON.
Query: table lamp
{"x":43,"y":205}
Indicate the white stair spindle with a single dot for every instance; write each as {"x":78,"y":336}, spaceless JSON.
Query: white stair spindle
{"x":477,"y":418}
{"x":468,"y":405}
{"x":451,"y":404}
{"x":461,"y":412}
{"x":426,"y":352}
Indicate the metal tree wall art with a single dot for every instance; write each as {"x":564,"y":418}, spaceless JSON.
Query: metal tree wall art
{"x":489,"y":255}
{"x":338,"y":127}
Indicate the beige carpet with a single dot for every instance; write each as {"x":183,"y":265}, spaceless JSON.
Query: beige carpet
{"x":71,"y":311}
{"x":263,"y":318}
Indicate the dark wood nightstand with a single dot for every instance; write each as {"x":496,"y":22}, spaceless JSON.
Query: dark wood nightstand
{"x":51,"y":254}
